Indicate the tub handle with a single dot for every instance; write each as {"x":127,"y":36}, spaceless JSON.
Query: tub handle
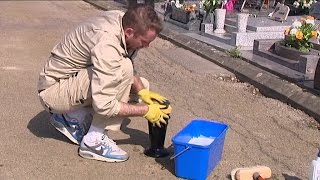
{"x":176,"y":155}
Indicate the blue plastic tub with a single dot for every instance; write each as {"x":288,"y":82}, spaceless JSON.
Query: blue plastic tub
{"x":197,"y":160}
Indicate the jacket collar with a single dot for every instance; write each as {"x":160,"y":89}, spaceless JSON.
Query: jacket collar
{"x":123,"y":37}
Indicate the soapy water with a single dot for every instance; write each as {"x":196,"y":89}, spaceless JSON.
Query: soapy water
{"x":201,"y":140}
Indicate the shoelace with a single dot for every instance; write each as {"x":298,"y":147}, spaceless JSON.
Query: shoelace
{"x":80,"y":127}
{"x":109,"y":142}
{"x":76,"y":125}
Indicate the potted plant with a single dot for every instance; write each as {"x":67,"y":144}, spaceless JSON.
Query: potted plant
{"x":298,"y":39}
{"x":209,"y":7}
{"x":299,"y":34}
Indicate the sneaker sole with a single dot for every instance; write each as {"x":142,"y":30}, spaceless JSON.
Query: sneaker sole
{"x":60,"y":127}
{"x":91,"y":155}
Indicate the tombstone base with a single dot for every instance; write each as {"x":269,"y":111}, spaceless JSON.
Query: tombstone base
{"x":301,"y":63}
{"x":219,"y":31}
{"x":192,"y":25}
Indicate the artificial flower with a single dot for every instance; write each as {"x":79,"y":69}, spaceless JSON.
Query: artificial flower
{"x":300,"y":32}
{"x":299,"y":35}
{"x":293,"y":31}
{"x":310,"y":21}
{"x":314,"y":34}
{"x":296,"y":24}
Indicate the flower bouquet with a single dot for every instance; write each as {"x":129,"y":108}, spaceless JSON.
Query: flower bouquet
{"x":190,"y":8}
{"x":183,"y":12}
{"x":299,"y":34}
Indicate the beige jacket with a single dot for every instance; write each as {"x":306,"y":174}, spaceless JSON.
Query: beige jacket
{"x":99,"y":42}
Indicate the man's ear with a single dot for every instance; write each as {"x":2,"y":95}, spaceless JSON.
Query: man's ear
{"x":129,"y":32}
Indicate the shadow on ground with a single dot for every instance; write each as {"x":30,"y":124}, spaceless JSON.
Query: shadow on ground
{"x":165,"y":162}
{"x":41,"y":127}
{"x":289,"y":177}
{"x":137,"y":137}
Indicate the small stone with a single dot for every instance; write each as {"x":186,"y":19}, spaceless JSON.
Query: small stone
{"x":135,"y":149}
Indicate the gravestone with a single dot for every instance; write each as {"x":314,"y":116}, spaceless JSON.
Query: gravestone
{"x":180,"y":15}
{"x":315,"y":10}
{"x":280,"y":12}
{"x":132,"y":3}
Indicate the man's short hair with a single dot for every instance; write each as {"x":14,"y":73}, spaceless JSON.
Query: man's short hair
{"x":141,"y":18}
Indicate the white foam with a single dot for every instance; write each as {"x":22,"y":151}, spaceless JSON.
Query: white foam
{"x":201,"y":140}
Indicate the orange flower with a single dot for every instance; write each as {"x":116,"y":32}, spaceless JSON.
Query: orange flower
{"x":303,"y":20}
{"x":299,"y":35}
{"x":286,"y":31}
{"x":314,"y":34}
{"x":310,"y":17}
{"x":189,"y":8}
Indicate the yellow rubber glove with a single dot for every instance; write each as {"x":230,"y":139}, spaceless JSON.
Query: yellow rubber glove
{"x":167,"y":109}
{"x":148,"y":96}
{"x":155,"y":115}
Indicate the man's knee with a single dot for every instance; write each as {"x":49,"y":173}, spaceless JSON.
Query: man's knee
{"x":145,"y":82}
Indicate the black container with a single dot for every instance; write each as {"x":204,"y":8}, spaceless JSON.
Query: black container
{"x":157,"y":137}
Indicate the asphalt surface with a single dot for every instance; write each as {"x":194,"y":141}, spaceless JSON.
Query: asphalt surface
{"x":262,"y":130}
{"x":269,"y":84}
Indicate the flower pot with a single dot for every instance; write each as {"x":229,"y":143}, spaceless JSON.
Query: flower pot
{"x":209,"y":18}
{"x":220,"y":16}
{"x":242,"y":22}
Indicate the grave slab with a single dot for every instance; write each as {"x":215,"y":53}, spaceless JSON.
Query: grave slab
{"x":305,"y":64}
{"x":247,"y":39}
{"x":265,"y":24}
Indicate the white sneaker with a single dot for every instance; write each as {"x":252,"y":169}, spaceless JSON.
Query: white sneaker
{"x":102,"y":149}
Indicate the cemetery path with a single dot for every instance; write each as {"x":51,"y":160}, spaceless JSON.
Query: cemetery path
{"x":262,"y":131}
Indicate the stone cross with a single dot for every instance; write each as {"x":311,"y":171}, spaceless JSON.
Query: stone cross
{"x":280,"y":12}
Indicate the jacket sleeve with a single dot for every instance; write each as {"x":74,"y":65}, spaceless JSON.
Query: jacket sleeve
{"x":106,"y":78}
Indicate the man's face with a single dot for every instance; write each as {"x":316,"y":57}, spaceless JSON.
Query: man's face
{"x":135,"y":41}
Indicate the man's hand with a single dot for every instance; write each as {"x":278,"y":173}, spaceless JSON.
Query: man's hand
{"x":167,"y":109}
{"x":149,"y":97}
{"x":155,"y":114}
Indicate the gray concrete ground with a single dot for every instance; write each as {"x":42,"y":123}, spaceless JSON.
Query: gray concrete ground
{"x":262,"y":131}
